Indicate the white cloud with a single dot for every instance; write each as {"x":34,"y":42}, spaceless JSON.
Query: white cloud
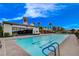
{"x":38,"y":10}
{"x":17,"y":18}
{"x":41,"y":9}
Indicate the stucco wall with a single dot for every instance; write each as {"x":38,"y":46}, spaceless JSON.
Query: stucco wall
{"x":7,"y":28}
{"x":35,"y":30}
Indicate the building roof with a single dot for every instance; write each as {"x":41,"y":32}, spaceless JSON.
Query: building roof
{"x":11,"y":23}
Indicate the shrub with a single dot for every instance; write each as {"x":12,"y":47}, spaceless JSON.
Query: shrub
{"x":1,"y":31}
{"x":1,"y":34}
{"x":6,"y":34}
{"x":77,"y":35}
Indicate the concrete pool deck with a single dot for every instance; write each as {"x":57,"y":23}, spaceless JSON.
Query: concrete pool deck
{"x":70,"y":47}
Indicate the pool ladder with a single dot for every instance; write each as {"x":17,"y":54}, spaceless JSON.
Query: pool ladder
{"x":55,"y":50}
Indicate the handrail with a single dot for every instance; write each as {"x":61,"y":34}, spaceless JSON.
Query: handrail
{"x":58,"y":47}
{"x":49,"y":50}
{"x":54,"y":49}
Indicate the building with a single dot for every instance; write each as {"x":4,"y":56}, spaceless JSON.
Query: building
{"x":13,"y":28}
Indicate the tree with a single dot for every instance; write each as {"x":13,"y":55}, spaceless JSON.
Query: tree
{"x":78,"y":31}
{"x":72,"y":30}
{"x":54,"y":28}
{"x":33,"y":23}
{"x":40,"y":29}
{"x":77,"y":34}
{"x":1,"y":31}
{"x":62,"y":29}
{"x":50,"y":25}
{"x":39,"y":24}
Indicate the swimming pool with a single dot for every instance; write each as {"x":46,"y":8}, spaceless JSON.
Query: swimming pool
{"x":34,"y":45}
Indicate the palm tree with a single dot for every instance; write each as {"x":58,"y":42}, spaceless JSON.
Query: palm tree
{"x":46,"y":29}
{"x":50,"y":25}
{"x":54,"y":28}
{"x":62,"y":29}
{"x":33,"y":23}
{"x":39,"y":24}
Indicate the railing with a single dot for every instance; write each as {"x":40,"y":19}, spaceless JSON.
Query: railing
{"x":49,"y":50}
{"x":52,"y":50}
{"x":57,"y":47}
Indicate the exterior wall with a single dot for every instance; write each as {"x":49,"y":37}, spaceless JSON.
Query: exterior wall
{"x":36,"y":30}
{"x":21,"y":27}
{"x":18,"y":26}
{"x":7,"y":28}
{"x":25,"y":23}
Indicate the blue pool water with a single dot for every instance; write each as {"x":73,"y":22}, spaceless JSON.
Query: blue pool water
{"x":34,"y":45}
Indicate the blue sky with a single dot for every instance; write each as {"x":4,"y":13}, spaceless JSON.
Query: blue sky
{"x":59,"y":14}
